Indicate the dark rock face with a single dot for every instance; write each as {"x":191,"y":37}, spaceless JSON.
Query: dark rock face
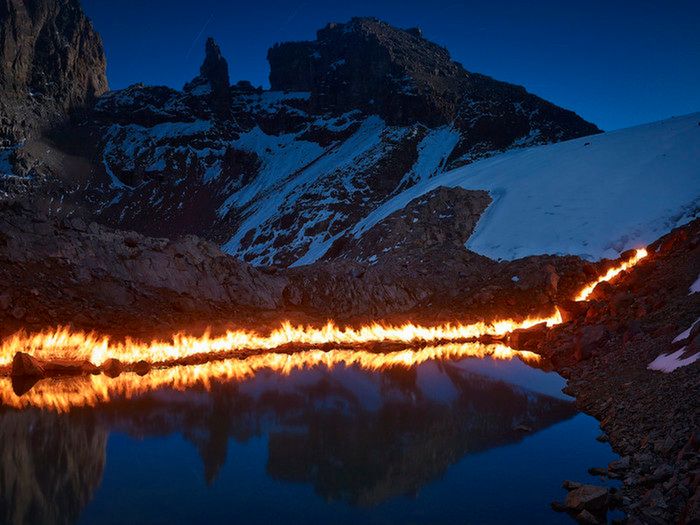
{"x":213,"y":79}
{"x":51,"y":61}
{"x":443,"y":219}
{"x":25,"y":365}
{"x":405,"y":78}
{"x":415,"y":260}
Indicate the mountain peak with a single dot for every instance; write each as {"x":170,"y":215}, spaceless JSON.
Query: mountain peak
{"x":214,"y":68}
{"x":368,"y":64}
{"x":213,"y":79}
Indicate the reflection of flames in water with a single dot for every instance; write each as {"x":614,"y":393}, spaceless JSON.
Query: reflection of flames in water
{"x":66,"y":393}
{"x":64,"y":344}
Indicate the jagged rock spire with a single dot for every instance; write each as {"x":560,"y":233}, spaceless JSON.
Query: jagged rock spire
{"x":215,"y":68}
{"x":213,"y":78}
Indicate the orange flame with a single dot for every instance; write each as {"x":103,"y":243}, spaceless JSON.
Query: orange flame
{"x":66,"y":393}
{"x":64,"y":344}
{"x":88,"y":391}
{"x":611,"y":273}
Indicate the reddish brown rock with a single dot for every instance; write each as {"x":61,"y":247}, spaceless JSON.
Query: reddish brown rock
{"x":588,"y":341}
{"x":25,"y":365}
{"x":60,"y":367}
{"x":587,"y":497}
{"x":572,"y":310}
{"x":602,"y":291}
{"x":142,"y":367}
{"x":529,"y":338}
{"x":112,"y":367}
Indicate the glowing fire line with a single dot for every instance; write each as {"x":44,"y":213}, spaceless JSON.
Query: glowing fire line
{"x":64,"y":344}
{"x":80,"y":346}
{"x":612,"y":273}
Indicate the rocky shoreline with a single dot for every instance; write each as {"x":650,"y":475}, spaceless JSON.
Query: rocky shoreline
{"x":604,"y":348}
{"x":651,"y":418}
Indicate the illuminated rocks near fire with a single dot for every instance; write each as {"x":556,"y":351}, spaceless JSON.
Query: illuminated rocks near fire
{"x":187,"y":361}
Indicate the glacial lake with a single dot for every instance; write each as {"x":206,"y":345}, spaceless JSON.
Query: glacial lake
{"x":450,"y":441}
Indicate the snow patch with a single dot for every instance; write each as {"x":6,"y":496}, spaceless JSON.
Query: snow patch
{"x":670,"y":362}
{"x":433,"y":151}
{"x":285,"y":178}
{"x":685,"y":333}
{"x":695,"y":287}
{"x":622,"y":190}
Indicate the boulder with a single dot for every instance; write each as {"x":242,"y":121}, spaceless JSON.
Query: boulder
{"x":572,"y":310}
{"x":602,"y":291}
{"x":69,"y":367}
{"x":571,"y":485}
{"x":551,"y":279}
{"x":528,"y":338}
{"x":588,"y":341}
{"x":142,"y":367}
{"x":112,"y":367}
{"x":587,"y":497}
{"x":25,"y":365}
{"x":619,"y":466}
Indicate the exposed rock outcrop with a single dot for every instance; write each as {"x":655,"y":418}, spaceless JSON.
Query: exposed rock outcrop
{"x":70,"y":272}
{"x":51,"y":62}
{"x":213,"y":79}
{"x":649,"y":416}
{"x":368,"y":64}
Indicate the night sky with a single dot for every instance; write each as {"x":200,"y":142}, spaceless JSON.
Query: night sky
{"x":616,"y":63}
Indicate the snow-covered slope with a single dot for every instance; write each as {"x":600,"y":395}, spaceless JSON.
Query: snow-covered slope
{"x":594,"y":196}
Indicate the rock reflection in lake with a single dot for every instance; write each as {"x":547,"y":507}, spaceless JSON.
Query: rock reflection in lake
{"x":357,"y":438}
{"x":50,"y":465}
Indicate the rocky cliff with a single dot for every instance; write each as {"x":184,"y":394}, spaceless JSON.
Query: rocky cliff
{"x":51,"y":62}
{"x":368,"y":64}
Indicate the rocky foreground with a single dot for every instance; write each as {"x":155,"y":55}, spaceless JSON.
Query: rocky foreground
{"x":120,"y":283}
{"x":650,"y":417}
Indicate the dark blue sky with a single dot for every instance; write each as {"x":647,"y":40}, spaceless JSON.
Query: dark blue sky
{"x":616,"y":63}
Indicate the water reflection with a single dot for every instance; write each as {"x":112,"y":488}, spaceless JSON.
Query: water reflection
{"x":50,"y":465}
{"x":355,"y":436}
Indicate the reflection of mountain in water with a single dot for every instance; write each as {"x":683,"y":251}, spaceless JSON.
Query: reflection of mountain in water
{"x":368,"y":456}
{"x":356,"y":436}
{"x":49,"y":466}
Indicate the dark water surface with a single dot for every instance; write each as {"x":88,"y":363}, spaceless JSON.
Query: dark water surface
{"x":436,"y":443}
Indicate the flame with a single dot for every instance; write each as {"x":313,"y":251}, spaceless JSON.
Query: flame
{"x":611,"y":273}
{"x":64,"y":344}
{"x":64,"y":394}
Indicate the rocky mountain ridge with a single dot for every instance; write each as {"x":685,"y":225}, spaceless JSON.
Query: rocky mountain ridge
{"x":276,"y":177}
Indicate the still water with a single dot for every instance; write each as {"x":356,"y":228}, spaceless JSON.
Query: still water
{"x":449,"y":441}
